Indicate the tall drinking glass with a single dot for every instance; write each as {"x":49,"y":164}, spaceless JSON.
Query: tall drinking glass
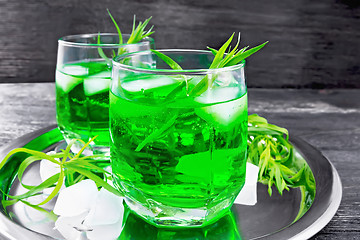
{"x":178,"y":137}
{"x":83,"y":75}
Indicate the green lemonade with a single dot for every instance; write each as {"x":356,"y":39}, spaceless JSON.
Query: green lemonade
{"x":187,"y":154}
{"x":82,"y":101}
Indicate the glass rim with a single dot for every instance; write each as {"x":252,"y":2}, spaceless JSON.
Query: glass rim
{"x":65,"y":40}
{"x":203,"y":71}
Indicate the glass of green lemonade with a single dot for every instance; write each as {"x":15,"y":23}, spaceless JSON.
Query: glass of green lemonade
{"x":83,"y":75}
{"x":178,"y":137}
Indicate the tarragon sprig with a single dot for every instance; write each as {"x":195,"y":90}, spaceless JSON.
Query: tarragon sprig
{"x":222,"y":59}
{"x":72,"y":169}
{"x":234,"y":56}
{"x":270,"y":149}
{"x":138,"y":33}
{"x":268,"y":152}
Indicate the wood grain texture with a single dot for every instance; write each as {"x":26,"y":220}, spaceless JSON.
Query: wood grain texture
{"x":25,"y":108}
{"x":313,"y":44}
{"x":327,"y":119}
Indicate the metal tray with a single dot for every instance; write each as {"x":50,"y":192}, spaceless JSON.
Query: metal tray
{"x":271,"y":218}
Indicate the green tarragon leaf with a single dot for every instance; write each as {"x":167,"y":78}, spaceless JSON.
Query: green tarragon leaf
{"x":242,"y":55}
{"x":117,"y":27}
{"x":37,"y":189}
{"x":220,"y":53}
{"x":57,"y":188}
{"x":174,"y":65}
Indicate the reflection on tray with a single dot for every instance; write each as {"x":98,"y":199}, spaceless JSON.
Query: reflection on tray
{"x":224,"y":228}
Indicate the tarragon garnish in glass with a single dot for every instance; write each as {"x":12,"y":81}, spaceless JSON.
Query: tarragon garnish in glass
{"x":137,"y":34}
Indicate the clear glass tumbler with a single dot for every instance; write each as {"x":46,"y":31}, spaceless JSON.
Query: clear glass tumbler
{"x":83,"y":75}
{"x":178,"y":137}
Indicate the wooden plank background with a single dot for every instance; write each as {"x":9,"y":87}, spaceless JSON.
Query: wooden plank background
{"x":313,"y":44}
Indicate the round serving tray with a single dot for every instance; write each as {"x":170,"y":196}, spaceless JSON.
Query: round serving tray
{"x":271,"y":218}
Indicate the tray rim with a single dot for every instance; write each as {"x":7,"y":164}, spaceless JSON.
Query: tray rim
{"x":20,"y":232}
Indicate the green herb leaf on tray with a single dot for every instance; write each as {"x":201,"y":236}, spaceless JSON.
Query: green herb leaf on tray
{"x":269,"y":148}
{"x":260,"y":124}
{"x":72,"y":169}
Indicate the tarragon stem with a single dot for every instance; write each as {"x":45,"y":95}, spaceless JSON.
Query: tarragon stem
{"x":156,"y":133}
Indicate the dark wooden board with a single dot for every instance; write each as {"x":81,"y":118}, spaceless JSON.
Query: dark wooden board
{"x":313,"y":44}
